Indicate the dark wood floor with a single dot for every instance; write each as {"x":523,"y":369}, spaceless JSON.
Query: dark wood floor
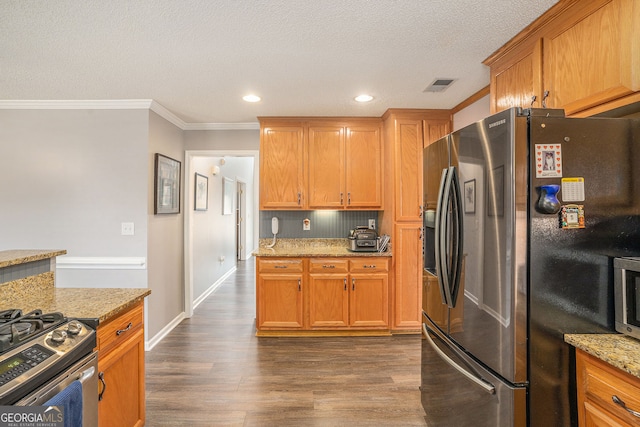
{"x":213,"y":371}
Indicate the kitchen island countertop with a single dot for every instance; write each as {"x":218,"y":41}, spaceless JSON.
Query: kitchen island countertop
{"x":98,"y":304}
{"x":617,"y":350}
{"x":22,"y":256}
{"x":312,"y":248}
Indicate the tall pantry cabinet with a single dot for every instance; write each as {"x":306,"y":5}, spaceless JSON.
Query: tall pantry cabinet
{"x":406,"y":133}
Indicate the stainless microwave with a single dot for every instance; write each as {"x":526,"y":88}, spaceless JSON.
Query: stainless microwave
{"x":626,"y":273}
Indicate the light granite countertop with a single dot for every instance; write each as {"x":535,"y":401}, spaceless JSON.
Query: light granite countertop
{"x":312,"y":248}
{"x":22,"y":256}
{"x":99,"y":304}
{"x":618,"y":350}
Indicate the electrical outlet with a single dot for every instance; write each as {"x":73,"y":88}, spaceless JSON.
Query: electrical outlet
{"x":127,"y":229}
{"x":372,"y":224}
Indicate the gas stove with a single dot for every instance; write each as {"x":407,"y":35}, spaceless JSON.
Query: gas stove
{"x":37,"y":346}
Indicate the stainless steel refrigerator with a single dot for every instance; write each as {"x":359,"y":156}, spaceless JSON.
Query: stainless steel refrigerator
{"x":523,"y":212}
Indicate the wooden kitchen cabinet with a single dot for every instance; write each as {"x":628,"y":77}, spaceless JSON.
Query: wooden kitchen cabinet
{"x":580,"y":56}
{"x":335,"y":163}
{"x":279,"y":294}
{"x":121,"y":370}
{"x":340,"y":294}
{"x":408,"y":297}
{"x":369,"y":292}
{"x":597,"y":384}
{"x":328,"y":293}
{"x":282,"y":166}
{"x":407,"y":133}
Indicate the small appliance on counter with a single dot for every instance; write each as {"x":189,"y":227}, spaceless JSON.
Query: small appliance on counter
{"x":363,"y":239}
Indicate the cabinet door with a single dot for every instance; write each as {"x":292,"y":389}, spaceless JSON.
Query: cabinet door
{"x":364,"y":167}
{"x":122,"y":370}
{"x":408,"y":170}
{"x":516,"y":79}
{"x":369,"y":300}
{"x":328,"y":301}
{"x":282,"y":180}
{"x":435,"y":129}
{"x":326,"y":167}
{"x":597,"y":59}
{"x":279,"y":301}
{"x":408,"y":273}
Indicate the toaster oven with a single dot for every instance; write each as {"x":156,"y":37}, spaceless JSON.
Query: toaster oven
{"x":363,"y":239}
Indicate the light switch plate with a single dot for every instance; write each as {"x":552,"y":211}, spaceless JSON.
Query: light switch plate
{"x":372,"y":224}
{"x":128,"y":229}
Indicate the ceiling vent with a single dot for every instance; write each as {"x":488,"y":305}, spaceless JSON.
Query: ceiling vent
{"x":439,"y":85}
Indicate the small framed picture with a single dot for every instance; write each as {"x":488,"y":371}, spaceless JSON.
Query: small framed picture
{"x":470,"y":196}
{"x":201,"y":196}
{"x":166,"y":193}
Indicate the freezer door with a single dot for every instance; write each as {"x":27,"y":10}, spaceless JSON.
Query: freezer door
{"x":457,"y":391}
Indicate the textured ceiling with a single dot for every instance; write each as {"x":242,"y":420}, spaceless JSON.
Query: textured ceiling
{"x":198,"y":58}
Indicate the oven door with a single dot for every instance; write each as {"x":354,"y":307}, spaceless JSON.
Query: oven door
{"x":86,"y":371}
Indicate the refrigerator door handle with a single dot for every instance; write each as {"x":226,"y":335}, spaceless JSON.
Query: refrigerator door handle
{"x":438,"y":245}
{"x":488,"y":387}
{"x":447,"y":264}
{"x":458,"y":238}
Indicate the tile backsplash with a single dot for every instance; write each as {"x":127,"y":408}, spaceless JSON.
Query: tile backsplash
{"x":324,"y":223}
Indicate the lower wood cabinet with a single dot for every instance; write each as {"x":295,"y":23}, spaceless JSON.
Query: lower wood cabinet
{"x":322,"y":294}
{"x":607,"y":396}
{"x":279,"y":294}
{"x":121,"y":370}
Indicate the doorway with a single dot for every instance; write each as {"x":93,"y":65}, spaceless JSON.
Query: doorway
{"x":241,"y":220}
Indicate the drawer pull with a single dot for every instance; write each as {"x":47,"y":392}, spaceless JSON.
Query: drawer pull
{"x":328,"y":266}
{"x":121,"y":331}
{"x":279,"y":266}
{"x":369,"y":266}
{"x":621,"y":403}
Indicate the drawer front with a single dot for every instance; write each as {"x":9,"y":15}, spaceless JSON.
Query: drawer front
{"x":119,"y":329}
{"x":328,"y":265}
{"x":293,"y":265}
{"x":369,"y":265}
{"x":606,"y":385}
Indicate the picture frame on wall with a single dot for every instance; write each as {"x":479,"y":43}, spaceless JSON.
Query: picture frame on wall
{"x":201,"y":196}
{"x":167,"y":185}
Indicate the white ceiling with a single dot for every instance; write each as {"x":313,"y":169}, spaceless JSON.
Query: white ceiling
{"x":198,"y":58}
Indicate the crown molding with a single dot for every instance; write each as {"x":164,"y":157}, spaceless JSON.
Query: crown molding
{"x":120,"y":104}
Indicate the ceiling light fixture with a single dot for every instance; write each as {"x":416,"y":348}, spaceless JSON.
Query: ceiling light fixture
{"x":363,"y":98}
{"x":251,"y":98}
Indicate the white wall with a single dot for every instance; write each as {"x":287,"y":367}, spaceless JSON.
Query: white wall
{"x":69,"y":178}
{"x":471,"y":114}
{"x":166,"y":233}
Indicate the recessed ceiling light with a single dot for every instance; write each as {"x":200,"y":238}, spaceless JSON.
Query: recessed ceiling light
{"x":251,"y":98}
{"x":363,"y":98}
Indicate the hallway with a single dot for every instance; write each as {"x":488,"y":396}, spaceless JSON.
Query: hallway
{"x":212,"y":370}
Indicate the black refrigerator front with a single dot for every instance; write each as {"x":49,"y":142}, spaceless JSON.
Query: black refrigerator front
{"x":474,"y":351}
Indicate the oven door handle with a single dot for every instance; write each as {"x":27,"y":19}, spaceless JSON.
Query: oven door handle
{"x":84,"y":376}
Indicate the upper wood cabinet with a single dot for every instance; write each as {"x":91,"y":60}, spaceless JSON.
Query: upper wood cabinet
{"x":407,"y":133}
{"x":282,"y":170}
{"x":326,"y":164}
{"x":582,"y":56}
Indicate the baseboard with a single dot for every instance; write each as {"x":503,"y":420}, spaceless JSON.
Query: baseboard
{"x":148,"y":346}
{"x":213,"y":287}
